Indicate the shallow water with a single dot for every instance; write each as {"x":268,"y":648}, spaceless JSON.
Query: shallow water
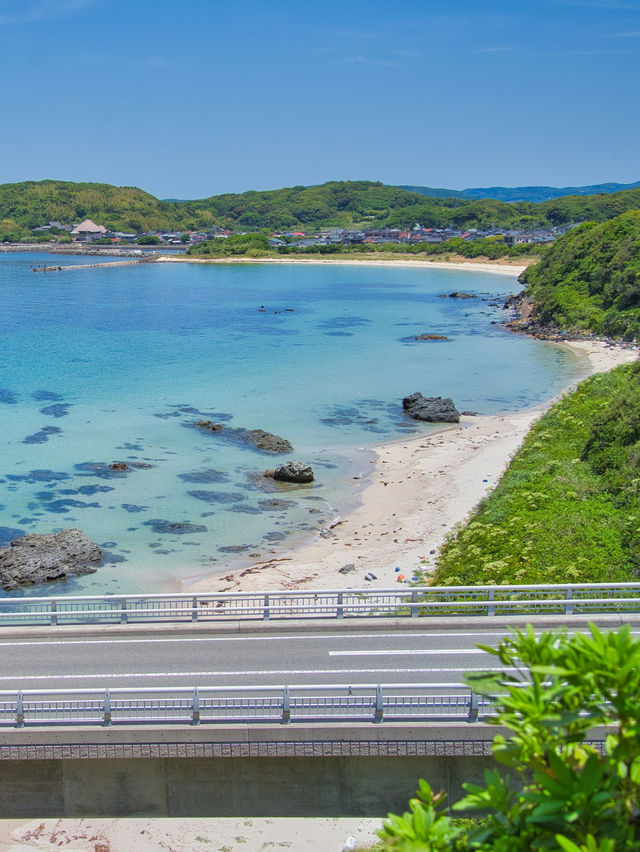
{"x":106,"y":365}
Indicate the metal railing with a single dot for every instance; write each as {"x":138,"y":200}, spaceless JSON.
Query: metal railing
{"x":412,"y":602}
{"x":373,"y":703}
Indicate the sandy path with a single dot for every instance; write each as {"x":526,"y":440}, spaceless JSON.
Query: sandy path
{"x":419,"y":489}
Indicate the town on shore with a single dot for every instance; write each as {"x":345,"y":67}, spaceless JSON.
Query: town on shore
{"x":89,"y":233}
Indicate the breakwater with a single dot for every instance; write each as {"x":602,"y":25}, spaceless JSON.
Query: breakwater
{"x":56,"y":268}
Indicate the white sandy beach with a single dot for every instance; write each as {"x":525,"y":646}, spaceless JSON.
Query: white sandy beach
{"x":418,"y":490}
{"x":494,"y":267}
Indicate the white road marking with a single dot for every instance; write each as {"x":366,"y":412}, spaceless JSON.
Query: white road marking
{"x":399,"y":652}
{"x":242,"y":672}
{"x":283,"y":638}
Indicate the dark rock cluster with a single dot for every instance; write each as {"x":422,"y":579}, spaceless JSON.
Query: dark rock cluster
{"x":258,"y":438}
{"x":432,"y":409}
{"x":292,"y":471}
{"x":36,"y":558}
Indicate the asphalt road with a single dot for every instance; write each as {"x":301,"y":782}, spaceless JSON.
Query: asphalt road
{"x":160,"y":659}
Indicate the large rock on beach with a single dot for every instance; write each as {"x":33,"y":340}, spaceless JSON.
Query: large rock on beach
{"x":292,"y":471}
{"x":38,"y":558}
{"x":432,"y":409}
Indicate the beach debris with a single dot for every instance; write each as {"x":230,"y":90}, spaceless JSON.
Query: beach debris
{"x":292,"y":471}
{"x":432,"y":409}
{"x":400,"y":578}
{"x":349,"y":568}
{"x":40,"y":557}
{"x":370,"y":576}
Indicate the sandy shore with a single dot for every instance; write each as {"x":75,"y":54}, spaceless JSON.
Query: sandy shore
{"x":186,"y":835}
{"x":418,"y":490}
{"x":495,"y":268}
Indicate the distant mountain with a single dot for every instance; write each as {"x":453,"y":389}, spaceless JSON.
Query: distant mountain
{"x":535,"y":194}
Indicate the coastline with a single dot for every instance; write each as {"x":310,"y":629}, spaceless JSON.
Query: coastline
{"x":495,"y":268}
{"x":418,"y":490}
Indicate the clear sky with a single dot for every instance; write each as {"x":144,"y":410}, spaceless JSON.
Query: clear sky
{"x":193,"y":98}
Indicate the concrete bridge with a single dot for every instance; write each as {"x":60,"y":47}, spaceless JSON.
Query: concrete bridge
{"x":271,"y":717}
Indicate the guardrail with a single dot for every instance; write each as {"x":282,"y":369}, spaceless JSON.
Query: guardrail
{"x":248,"y":704}
{"x":413,"y":602}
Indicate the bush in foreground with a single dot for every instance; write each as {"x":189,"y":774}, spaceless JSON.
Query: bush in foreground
{"x":569,"y":794}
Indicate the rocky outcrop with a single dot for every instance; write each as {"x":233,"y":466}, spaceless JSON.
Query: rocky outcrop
{"x":524,"y":320}
{"x":431,"y":337}
{"x":293,"y":471}
{"x":38,"y":558}
{"x":266,"y":442}
{"x":432,"y":409}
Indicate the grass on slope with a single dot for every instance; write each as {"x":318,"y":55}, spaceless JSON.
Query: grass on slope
{"x":590,"y":279}
{"x":566,"y":509}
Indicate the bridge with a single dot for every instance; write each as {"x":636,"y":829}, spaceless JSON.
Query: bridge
{"x":328,"y":702}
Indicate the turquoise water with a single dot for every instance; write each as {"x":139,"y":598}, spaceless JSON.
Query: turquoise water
{"x":106,"y":365}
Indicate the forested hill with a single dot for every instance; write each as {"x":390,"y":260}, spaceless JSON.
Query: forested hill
{"x":31,"y":204}
{"x":590,"y":279}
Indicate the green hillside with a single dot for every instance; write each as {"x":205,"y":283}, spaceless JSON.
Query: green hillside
{"x":590,"y":279}
{"x":566,"y":510}
{"x":27,"y":205}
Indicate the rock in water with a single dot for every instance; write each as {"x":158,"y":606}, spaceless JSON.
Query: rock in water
{"x":433,"y":409}
{"x":268,"y":442}
{"x":37,"y":558}
{"x":293,"y":471}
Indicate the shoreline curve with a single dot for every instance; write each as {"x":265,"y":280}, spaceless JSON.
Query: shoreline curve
{"x":418,"y":490}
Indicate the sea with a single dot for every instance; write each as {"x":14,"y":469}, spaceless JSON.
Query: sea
{"x":101,"y":366}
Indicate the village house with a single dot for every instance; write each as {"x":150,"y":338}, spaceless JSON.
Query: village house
{"x":88,"y":230}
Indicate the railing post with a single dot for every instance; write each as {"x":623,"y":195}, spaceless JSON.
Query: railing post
{"x":123,"y":611}
{"x":194,"y":608}
{"x":106,"y":709}
{"x":54,"y":616}
{"x":286,"y":706}
{"x":473,"y":707}
{"x":379,"y":714}
{"x":265,"y":610}
{"x":340,"y":608}
{"x":195,"y":709}
{"x":19,"y":711}
{"x":491,"y":610}
{"x":568,"y":607}
{"x":414,"y":600}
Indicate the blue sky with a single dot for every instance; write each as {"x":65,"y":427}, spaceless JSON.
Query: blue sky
{"x":200,"y":97}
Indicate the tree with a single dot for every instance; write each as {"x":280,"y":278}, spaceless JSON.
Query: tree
{"x":569,"y":795}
